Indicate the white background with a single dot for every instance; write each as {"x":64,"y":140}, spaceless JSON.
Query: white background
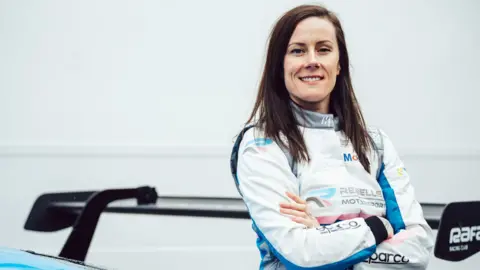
{"x":102,"y":94}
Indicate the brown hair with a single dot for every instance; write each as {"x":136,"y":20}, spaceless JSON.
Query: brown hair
{"x":273,"y":103}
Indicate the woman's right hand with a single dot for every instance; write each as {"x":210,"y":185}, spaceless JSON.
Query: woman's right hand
{"x":298,"y":211}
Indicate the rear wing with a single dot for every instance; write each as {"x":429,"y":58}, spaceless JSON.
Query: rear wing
{"x":81,"y":211}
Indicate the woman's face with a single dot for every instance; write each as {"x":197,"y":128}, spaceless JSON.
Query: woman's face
{"x":311,"y":64}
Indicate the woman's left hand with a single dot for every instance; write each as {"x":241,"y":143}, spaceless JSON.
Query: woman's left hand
{"x":298,"y":210}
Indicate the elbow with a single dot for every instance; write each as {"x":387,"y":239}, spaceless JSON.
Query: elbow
{"x":301,"y":258}
{"x":294,"y":250}
{"x":297,"y":252}
{"x":420,"y":260}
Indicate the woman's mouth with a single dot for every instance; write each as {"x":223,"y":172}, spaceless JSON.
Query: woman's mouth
{"x":312,"y":79}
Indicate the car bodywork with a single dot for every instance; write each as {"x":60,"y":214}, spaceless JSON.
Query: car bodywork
{"x":23,"y":259}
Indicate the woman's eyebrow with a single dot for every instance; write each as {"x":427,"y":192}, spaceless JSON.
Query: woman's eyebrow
{"x":303,"y":44}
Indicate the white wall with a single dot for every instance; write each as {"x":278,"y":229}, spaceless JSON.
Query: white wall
{"x":100,"y":94}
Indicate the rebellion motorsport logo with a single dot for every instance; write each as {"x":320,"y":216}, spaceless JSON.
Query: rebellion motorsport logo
{"x":387,"y":258}
{"x":321,"y":197}
{"x":348,"y":196}
{"x":460,"y":237}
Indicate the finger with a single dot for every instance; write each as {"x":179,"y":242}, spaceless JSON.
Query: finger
{"x":295,"y":198}
{"x":303,"y":221}
{"x":293,"y":212}
{"x":295,"y":206}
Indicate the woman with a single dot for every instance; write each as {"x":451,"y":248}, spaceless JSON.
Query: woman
{"x":323,"y":190}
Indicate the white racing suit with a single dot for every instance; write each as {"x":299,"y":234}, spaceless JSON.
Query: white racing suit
{"x":341,"y":194}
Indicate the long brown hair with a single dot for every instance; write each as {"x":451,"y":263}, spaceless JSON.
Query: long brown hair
{"x":273,"y":103}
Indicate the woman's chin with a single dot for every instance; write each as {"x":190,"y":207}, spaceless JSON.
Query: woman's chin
{"x":312,"y":98}
{"x":312,"y":101}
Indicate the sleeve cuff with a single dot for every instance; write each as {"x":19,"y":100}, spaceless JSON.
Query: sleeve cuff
{"x":378,"y":229}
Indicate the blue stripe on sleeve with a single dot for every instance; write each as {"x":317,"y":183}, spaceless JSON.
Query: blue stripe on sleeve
{"x":393,"y":210}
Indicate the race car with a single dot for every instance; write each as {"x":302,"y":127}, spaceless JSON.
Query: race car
{"x":11,"y":259}
{"x":458,"y":223}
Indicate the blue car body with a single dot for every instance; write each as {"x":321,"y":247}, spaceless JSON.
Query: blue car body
{"x":14,"y":259}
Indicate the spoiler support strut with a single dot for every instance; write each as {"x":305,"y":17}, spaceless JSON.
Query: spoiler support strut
{"x":48,"y":215}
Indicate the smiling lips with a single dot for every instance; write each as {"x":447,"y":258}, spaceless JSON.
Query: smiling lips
{"x":312,"y":79}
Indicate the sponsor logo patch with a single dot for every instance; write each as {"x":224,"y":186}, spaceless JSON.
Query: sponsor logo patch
{"x":387,"y":258}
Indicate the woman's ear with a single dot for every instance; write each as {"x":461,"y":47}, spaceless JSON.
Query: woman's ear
{"x":338,"y":68}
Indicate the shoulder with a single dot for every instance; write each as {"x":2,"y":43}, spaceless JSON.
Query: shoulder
{"x":383,"y":142}
{"x":253,"y":139}
{"x":253,"y":149}
{"x":253,"y":136}
{"x":380,"y":139}
{"x":377,"y":132}
{"x":377,"y":135}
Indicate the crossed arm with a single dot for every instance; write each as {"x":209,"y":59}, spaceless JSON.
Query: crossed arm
{"x":264,"y":177}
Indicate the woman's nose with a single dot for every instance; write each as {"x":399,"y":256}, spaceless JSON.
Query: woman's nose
{"x":312,"y":61}
{"x":313,"y":65}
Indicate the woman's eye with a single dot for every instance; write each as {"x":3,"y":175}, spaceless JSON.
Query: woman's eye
{"x":324,"y":50}
{"x":296,"y":51}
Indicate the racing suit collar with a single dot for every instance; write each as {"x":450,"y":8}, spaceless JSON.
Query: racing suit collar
{"x":312,"y":119}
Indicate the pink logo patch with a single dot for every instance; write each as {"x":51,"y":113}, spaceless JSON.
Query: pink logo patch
{"x":400,"y":237}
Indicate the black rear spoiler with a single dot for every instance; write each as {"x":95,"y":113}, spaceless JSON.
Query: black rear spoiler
{"x":81,"y":210}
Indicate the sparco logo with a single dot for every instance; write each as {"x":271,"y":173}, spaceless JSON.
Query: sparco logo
{"x":387,"y":258}
{"x":464,"y":234}
{"x":341,"y":226}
